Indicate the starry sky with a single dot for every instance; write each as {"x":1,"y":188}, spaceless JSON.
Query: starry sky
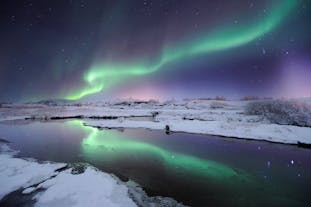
{"x":154,"y":49}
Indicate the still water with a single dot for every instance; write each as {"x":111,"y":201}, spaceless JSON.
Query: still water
{"x":197,"y":170}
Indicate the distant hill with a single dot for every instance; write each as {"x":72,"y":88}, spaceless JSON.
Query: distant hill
{"x":54,"y":102}
{"x":305,"y":99}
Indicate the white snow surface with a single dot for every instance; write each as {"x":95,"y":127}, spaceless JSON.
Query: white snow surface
{"x":268,"y":132}
{"x":223,"y":118}
{"x":18,"y":173}
{"x":91,"y":188}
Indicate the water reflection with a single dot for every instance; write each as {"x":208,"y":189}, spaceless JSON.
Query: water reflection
{"x":108,"y":144}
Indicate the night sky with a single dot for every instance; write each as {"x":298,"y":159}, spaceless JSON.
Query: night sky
{"x":157,"y":49}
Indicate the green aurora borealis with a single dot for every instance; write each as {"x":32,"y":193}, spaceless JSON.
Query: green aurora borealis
{"x":103,"y":75}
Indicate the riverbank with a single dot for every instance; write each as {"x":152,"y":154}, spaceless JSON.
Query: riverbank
{"x":222,"y":118}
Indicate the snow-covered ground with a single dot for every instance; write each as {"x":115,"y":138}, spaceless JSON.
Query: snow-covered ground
{"x":55,"y":184}
{"x":223,"y":118}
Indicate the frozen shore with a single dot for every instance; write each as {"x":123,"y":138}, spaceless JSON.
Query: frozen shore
{"x":222,"y":118}
{"x":58,"y":184}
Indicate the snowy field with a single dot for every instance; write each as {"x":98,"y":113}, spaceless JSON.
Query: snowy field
{"x":214,"y":117}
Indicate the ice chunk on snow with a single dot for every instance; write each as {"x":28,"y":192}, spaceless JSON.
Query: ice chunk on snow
{"x":29,"y":190}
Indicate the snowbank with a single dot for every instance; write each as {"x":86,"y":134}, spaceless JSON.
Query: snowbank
{"x":268,"y":132}
{"x":18,"y":173}
{"x":91,"y":188}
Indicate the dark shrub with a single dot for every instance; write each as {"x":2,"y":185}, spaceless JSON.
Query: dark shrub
{"x":282,"y":111}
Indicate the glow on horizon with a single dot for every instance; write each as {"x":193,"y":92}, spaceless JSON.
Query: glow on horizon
{"x":296,"y":75}
{"x":142,"y":93}
{"x":102,"y":76}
